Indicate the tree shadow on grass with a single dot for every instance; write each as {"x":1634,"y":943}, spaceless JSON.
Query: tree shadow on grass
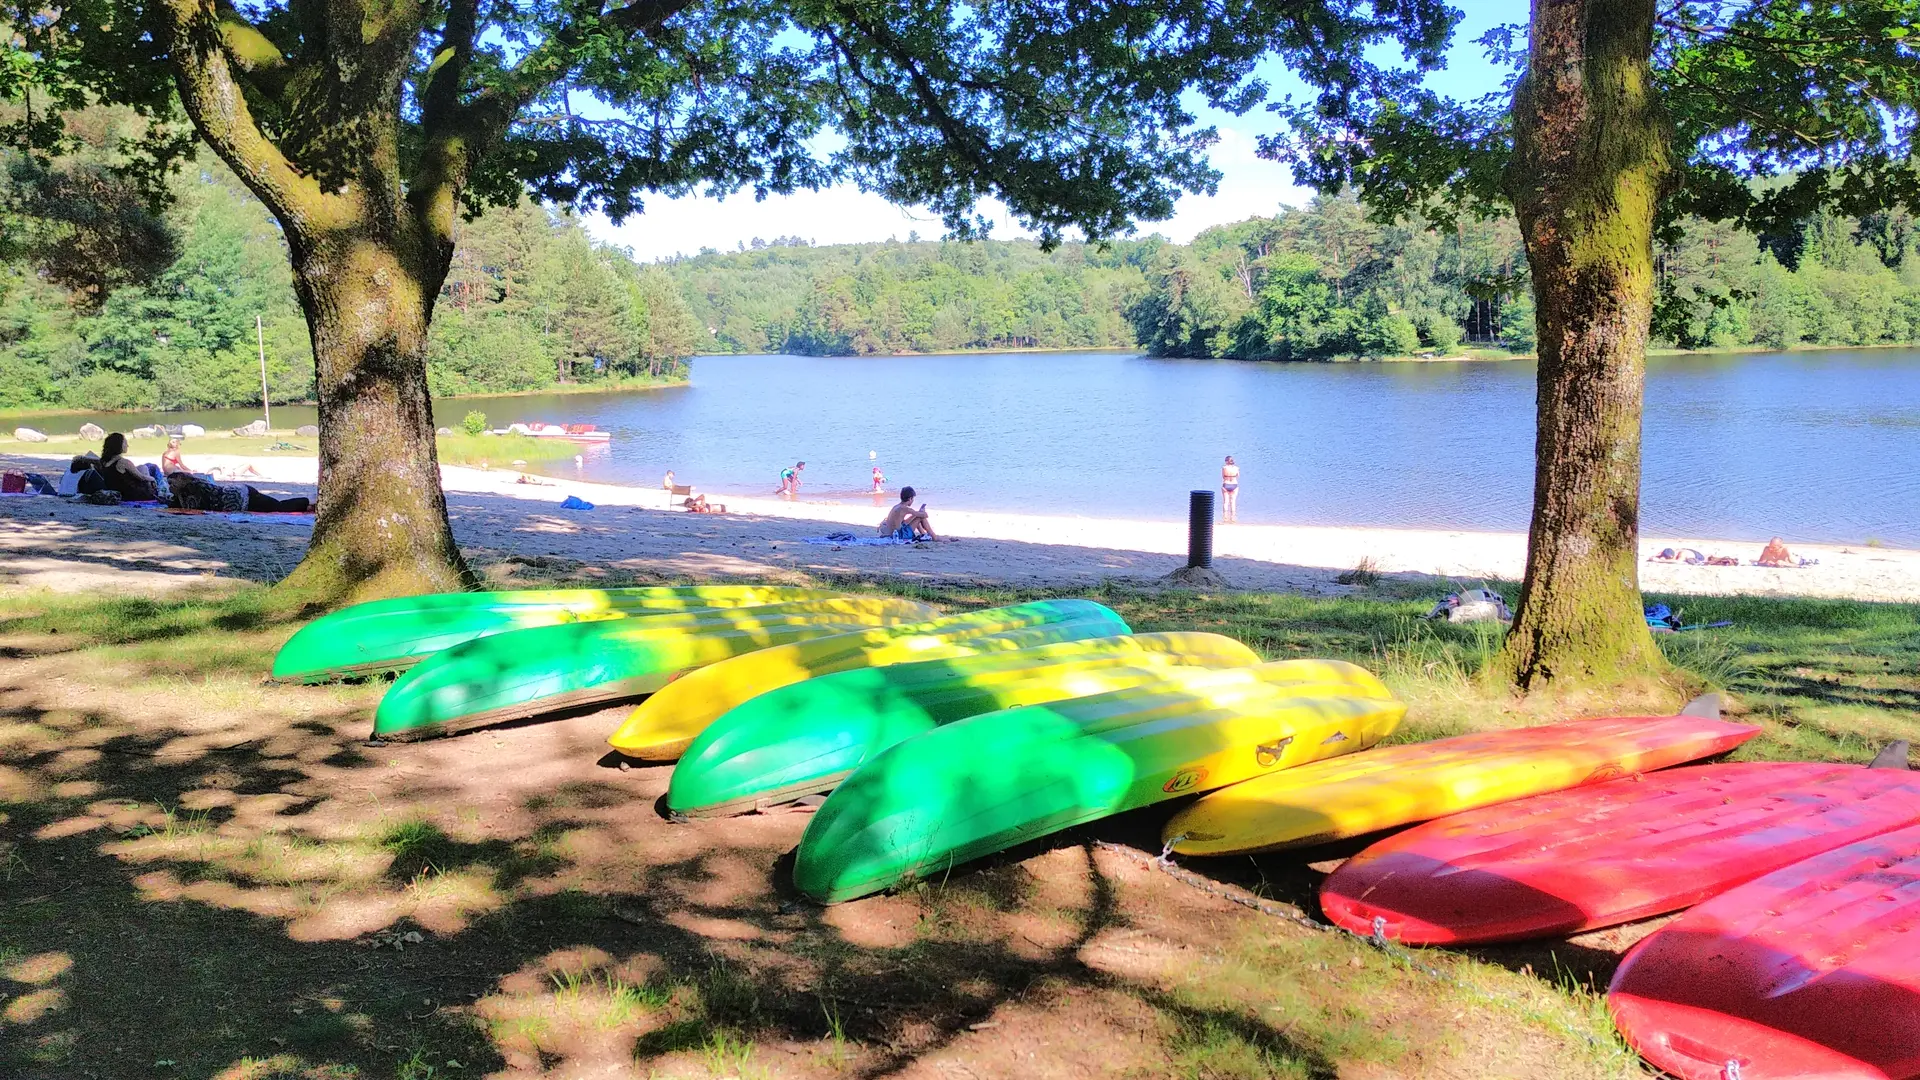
{"x":270,"y":899}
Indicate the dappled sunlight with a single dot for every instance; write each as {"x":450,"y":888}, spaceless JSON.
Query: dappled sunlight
{"x":315,"y":904}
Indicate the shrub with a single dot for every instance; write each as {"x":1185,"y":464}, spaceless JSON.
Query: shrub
{"x":474,"y":422}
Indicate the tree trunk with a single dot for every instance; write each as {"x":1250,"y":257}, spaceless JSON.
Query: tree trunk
{"x":381,"y":527}
{"x":1589,"y":168}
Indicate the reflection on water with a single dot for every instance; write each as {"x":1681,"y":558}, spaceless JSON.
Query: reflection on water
{"x":1810,"y":446}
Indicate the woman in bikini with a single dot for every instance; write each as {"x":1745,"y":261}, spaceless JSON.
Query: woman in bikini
{"x":1230,"y":490}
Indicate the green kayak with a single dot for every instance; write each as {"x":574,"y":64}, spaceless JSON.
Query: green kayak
{"x":392,"y":635}
{"x":662,"y":727}
{"x":527,"y":672}
{"x":987,"y":783}
{"x":803,"y":739}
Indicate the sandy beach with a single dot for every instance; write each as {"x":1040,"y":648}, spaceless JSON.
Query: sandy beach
{"x":61,"y":544}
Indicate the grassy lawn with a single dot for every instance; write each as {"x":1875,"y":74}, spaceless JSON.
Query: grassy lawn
{"x":208,"y":876}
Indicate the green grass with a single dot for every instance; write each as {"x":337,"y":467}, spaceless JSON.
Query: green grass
{"x":1826,"y":680}
{"x":500,"y":451}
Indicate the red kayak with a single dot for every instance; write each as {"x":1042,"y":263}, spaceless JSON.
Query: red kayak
{"x":1810,"y":971}
{"x":1611,"y":853}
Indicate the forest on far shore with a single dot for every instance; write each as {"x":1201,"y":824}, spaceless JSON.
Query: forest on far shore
{"x":104,"y":304}
{"x":1315,"y":283}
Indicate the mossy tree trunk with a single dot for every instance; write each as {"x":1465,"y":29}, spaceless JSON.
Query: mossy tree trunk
{"x":381,"y":527}
{"x":1590,"y":165}
{"x":370,"y":233}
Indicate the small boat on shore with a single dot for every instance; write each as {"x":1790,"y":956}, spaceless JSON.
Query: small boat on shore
{"x":570,"y":432}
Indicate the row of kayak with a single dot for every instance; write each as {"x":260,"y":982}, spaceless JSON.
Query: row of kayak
{"x":940,"y":739}
{"x":1800,"y":960}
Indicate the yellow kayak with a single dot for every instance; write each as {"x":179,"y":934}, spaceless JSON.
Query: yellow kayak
{"x":1364,"y":793}
{"x":803,"y":739}
{"x":662,"y":727}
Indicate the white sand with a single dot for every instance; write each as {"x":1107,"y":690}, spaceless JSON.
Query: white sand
{"x":494,"y":516}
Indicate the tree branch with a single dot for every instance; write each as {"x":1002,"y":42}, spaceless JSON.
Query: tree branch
{"x":194,"y":34}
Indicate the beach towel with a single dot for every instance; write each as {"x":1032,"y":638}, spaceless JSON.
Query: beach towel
{"x":850,"y":540}
{"x":575,"y":502}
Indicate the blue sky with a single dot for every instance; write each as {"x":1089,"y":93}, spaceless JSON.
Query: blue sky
{"x":1248,"y":185}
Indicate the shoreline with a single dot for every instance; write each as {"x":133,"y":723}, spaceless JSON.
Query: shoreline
{"x":561,"y":390}
{"x":762,"y":536}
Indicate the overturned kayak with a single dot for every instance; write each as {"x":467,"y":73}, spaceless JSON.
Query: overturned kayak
{"x":527,"y":672}
{"x":1399,"y":785}
{"x":990,"y":782}
{"x":392,"y":635}
{"x":803,"y":739}
{"x":661,"y":727}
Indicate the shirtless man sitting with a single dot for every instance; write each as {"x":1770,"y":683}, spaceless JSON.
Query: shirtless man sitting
{"x":905,"y":522}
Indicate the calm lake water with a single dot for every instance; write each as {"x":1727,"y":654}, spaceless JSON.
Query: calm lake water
{"x":1813,"y":446}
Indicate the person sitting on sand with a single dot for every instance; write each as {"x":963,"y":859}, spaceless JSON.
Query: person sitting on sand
{"x":905,"y":523}
{"x":135,"y":483}
{"x":1776,"y":554}
{"x":170,"y":457}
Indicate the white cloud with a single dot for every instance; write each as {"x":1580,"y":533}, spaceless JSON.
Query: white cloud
{"x":846,"y":215}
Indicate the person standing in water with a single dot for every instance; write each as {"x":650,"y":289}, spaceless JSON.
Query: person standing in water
{"x":1230,"y":490}
{"x":879,"y":480}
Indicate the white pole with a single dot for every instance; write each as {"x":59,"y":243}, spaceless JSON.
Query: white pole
{"x":260,"y":334}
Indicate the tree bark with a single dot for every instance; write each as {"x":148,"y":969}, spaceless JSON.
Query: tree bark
{"x":1591,"y":162}
{"x":381,"y":527}
{"x":370,"y":248}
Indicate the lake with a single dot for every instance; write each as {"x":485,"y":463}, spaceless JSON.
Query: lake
{"x":1812,"y":446}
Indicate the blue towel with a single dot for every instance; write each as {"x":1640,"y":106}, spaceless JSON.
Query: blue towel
{"x":575,"y":502}
{"x":848,"y":540}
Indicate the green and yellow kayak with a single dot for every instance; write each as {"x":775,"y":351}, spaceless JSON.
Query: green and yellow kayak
{"x":392,"y":635}
{"x":987,"y":783}
{"x":661,"y":727}
{"x":528,"y":672}
{"x":803,"y":739}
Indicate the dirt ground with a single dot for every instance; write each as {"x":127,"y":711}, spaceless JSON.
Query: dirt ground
{"x":208,"y":876}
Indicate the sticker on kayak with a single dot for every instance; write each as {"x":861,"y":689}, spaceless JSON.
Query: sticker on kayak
{"x":1338,"y":736}
{"x":1612,"y":770}
{"x":1184,"y":780}
{"x":1268,"y":756}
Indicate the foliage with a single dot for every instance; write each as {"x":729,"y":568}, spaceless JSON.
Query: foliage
{"x":788,"y":296}
{"x":474,"y":422}
{"x":533,"y":302}
{"x":1322,"y":281}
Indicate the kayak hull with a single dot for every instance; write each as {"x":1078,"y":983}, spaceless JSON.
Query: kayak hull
{"x":393,"y":635}
{"x":1812,"y":970}
{"x":1611,"y":853}
{"x":529,"y":672}
{"x":990,"y":782}
{"x":662,"y":727}
{"x":803,"y":739}
{"x":1399,"y":785}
